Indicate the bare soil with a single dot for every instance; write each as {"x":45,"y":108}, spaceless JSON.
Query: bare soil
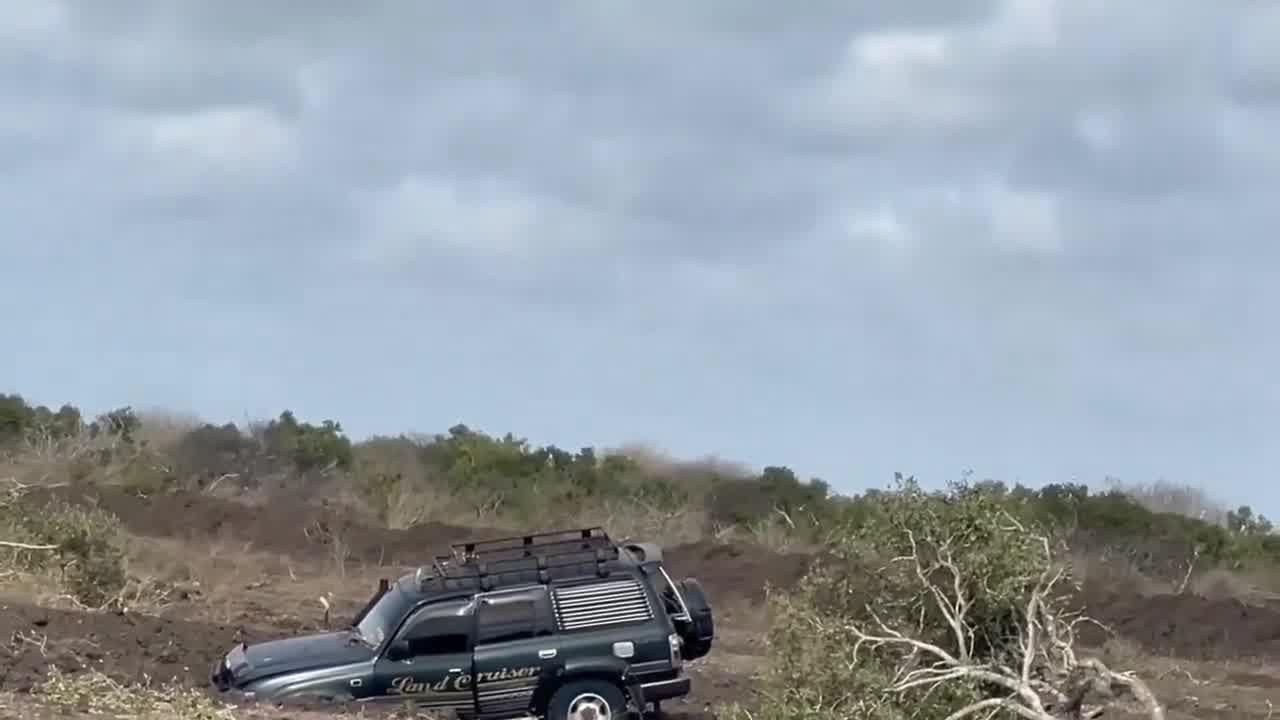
{"x":127,"y":647}
{"x":261,"y":600}
{"x":1190,"y":626}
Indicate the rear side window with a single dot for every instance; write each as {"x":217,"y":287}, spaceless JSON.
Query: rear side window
{"x":601,"y":604}
{"x":506,"y":617}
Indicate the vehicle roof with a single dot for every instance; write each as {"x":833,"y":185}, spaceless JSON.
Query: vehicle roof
{"x":560,"y":556}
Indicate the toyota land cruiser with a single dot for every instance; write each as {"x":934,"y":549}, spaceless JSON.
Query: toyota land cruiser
{"x":559,"y":625}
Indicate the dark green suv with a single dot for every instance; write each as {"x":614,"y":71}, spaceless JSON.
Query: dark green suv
{"x":561,"y":625}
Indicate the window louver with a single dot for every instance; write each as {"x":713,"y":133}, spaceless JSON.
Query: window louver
{"x":608,"y":603}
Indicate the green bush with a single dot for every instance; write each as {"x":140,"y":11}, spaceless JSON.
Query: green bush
{"x":920,"y":611}
{"x":209,"y":451}
{"x":82,"y":548}
{"x":307,"y":446}
{"x":20,"y":420}
{"x":505,"y":479}
{"x":776,"y":492}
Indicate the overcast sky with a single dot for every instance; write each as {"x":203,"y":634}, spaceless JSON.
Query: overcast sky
{"x":1029,"y":238}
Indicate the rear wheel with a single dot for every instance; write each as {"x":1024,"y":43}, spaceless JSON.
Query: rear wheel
{"x":587,"y":700}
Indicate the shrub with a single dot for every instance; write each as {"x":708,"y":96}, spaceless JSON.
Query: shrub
{"x":209,"y":451}
{"x":505,"y":480}
{"x":777,"y":491}
{"x":81,"y":548}
{"x":926,"y":609}
{"x":308,"y":446}
{"x":99,"y":694}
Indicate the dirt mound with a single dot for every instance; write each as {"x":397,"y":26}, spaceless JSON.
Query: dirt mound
{"x":299,"y":528}
{"x":736,"y":572}
{"x":139,"y":649}
{"x":124,"y":646}
{"x":306,"y":530}
{"x":1189,"y":626}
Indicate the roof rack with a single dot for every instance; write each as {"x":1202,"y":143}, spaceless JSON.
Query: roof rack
{"x":534,"y":543}
{"x":522,"y":559}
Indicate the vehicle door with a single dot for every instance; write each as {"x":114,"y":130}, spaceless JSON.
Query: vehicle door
{"x":516,"y":647}
{"x":428,"y":660}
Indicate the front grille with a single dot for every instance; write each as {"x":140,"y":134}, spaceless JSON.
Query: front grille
{"x":221,"y":676}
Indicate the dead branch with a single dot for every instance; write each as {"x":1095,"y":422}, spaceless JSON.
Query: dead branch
{"x":39,"y":641}
{"x":1191,"y":567}
{"x":1048,"y":682}
{"x":224,"y":476}
{"x":26,"y":546}
{"x":326,"y":601}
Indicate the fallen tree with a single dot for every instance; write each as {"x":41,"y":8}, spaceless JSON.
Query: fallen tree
{"x":78,"y":548}
{"x":939,"y":605}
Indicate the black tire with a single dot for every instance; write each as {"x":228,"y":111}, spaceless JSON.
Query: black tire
{"x":580,"y":694}
{"x":699,"y":633}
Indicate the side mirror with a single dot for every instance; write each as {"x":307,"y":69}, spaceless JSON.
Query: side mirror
{"x":398,"y":650}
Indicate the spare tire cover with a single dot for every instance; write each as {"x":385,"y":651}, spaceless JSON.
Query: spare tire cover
{"x":699,"y":633}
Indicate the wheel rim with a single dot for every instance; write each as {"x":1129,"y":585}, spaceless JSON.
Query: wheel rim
{"x":589,"y":706}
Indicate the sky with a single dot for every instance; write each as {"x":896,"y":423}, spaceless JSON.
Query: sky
{"x":1031,"y":239}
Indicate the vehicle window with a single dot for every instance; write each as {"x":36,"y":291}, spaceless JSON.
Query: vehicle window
{"x":509,"y":617}
{"x":441,"y":629}
{"x":382,"y":617}
{"x":602,"y":604}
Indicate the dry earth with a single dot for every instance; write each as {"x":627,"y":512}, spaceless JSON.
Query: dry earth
{"x":225,"y":570}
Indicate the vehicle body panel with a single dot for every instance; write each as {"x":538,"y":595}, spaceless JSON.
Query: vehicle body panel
{"x":337,"y":683}
{"x":516,"y":649}
{"x":508,"y":675}
{"x":437,"y":682}
{"x":302,"y":653}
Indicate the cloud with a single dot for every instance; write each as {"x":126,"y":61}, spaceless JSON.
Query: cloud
{"x":32,"y":20}
{"x":896,"y":81}
{"x":1017,"y":219}
{"x":231,"y":140}
{"x":419,"y":213}
{"x":1032,"y":237}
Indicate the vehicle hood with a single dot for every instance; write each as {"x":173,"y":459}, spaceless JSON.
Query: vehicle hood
{"x":295,"y":654}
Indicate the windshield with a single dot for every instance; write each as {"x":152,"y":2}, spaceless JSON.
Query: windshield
{"x":383,"y":616}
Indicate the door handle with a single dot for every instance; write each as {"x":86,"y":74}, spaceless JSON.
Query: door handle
{"x":547,"y":654}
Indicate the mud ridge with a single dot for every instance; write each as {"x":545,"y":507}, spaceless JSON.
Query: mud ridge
{"x":1189,"y":626}
{"x":1182,"y":625}
{"x":126,"y":647}
{"x":303,"y":530}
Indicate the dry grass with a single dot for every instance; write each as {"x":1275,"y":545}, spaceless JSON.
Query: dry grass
{"x":225,"y":581}
{"x":1241,"y":688}
{"x":1123,"y":577}
{"x":161,"y":428}
{"x":1168,"y":497}
{"x":1118,"y":574}
{"x":661,"y":462}
{"x":635,"y":520}
{"x":231,"y":581}
{"x":1248,"y":587}
{"x":95,"y":693}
